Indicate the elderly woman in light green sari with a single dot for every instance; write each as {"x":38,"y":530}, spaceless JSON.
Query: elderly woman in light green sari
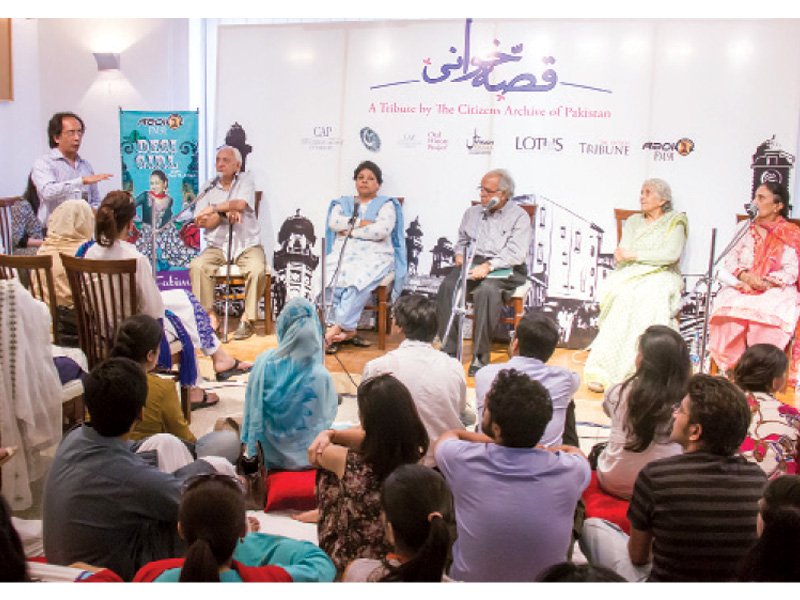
{"x":644,"y":289}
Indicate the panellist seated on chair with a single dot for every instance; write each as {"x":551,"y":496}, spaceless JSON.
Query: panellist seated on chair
{"x":760,"y":303}
{"x":644,"y":289}
{"x":229,"y":208}
{"x":183,"y":317}
{"x":374,"y":249}
{"x":499,"y":235}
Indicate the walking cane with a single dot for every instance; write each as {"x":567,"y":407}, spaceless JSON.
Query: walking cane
{"x":227,"y":283}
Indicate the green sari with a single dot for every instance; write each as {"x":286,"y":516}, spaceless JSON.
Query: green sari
{"x":639,"y":293}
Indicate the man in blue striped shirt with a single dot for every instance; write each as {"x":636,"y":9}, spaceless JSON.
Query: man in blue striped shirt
{"x":62,"y":174}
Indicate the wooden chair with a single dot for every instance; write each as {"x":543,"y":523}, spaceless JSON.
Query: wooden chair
{"x":238,"y":281}
{"x":6,"y":238}
{"x":621,"y":215}
{"x":104,"y":292}
{"x":36,"y":274}
{"x":383,"y":304}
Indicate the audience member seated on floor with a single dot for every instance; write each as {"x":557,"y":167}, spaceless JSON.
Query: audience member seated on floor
{"x":568,"y":572}
{"x":139,"y":339}
{"x":532,"y":346}
{"x":30,"y":392}
{"x":290,"y":395}
{"x":14,"y":567}
{"x":693,"y":516}
{"x":353,"y":464}
{"x":640,"y":409}
{"x":514,"y":500}
{"x":436,"y":381}
{"x":771,"y":441}
{"x":103,"y":504}
{"x":418,"y":505}
{"x":183,"y":317}
{"x":213,"y":523}
{"x":775,"y":556}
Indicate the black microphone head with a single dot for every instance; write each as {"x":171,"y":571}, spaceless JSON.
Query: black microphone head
{"x":751,"y":209}
{"x":492,"y":203}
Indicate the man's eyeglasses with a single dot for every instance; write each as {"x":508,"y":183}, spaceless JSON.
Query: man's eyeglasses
{"x":72,"y":132}
{"x":480,"y":188}
{"x":195,"y":480}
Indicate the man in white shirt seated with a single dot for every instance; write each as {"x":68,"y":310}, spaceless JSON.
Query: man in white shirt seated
{"x":230,"y":205}
{"x":436,"y":381}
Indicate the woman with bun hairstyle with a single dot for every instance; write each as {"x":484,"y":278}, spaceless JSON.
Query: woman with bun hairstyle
{"x":181,"y":314}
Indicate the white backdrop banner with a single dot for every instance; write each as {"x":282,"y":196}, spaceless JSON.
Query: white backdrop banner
{"x":580,"y":112}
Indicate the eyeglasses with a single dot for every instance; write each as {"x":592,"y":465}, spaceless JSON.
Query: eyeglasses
{"x":480,"y":188}
{"x":73,"y":132}
{"x":195,"y":480}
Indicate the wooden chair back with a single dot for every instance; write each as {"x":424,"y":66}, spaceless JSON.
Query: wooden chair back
{"x":104,"y":292}
{"x":528,"y":208}
{"x":36,"y":274}
{"x":621,"y":215}
{"x":6,"y":239}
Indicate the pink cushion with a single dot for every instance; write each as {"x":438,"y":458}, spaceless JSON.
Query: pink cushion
{"x":291,"y":490}
{"x":605,"y":506}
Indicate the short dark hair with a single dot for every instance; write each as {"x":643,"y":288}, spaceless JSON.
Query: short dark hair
{"x":417,"y":316}
{"x":721,"y":409}
{"x":56,"y":125}
{"x":115,"y":392}
{"x":537,"y":336}
{"x":393,"y":432}
{"x":136,"y":336}
{"x":520,"y":406}
{"x":160,"y":174}
{"x":759,"y":366}
{"x":368,"y":164}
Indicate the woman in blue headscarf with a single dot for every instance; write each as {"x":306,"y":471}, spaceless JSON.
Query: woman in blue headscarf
{"x":290,"y":394}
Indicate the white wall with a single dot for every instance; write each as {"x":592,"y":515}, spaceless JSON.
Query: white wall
{"x":54,"y":70}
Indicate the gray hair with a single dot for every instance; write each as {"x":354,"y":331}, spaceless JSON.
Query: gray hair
{"x":660,"y":187}
{"x":506,"y":182}
{"x":236,"y":154}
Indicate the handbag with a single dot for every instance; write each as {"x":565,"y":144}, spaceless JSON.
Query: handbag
{"x":254,"y":473}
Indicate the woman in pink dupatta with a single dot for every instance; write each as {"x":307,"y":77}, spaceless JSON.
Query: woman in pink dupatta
{"x":763,"y":307}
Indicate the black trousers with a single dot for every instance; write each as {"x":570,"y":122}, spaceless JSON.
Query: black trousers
{"x":488,"y":298}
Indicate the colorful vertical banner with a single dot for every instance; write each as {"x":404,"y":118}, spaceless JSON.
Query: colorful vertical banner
{"x":160,"y":169}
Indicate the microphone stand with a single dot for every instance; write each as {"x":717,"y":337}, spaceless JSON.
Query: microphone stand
{"x":328,"y":303}
{"x":459,"y":306}
{"x":708,"y":278}
{"x":228,"y":264}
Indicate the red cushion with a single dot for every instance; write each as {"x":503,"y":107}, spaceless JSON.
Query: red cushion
{"x":291,"y":490}
{"x":605,"y":506}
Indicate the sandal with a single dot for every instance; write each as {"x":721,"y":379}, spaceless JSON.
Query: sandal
{"x":358,"y":341}
{"x":205,"y":402}
{"x":233,"y":371}
{"x":332,"y":348}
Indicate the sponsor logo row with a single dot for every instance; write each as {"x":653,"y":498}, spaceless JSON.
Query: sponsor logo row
{"x":323,"y":138}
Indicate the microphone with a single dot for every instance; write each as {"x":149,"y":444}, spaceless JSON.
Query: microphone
{"x":751,"y":210}
{"x":489,"y":207}
{"x":354,"y":216}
